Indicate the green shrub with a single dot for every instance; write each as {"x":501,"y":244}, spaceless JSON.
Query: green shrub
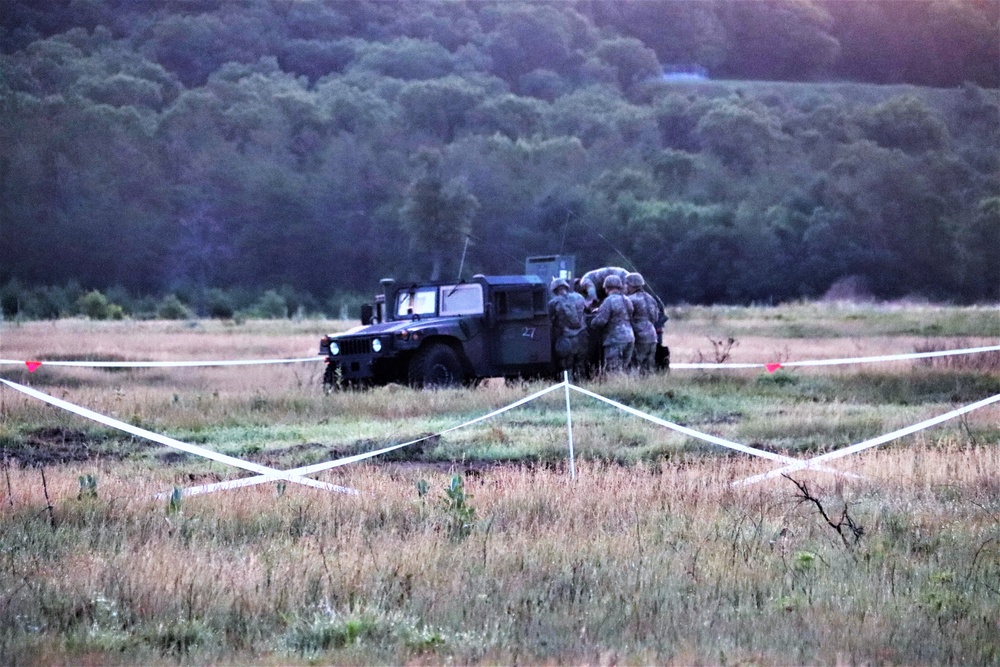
{"x":172,"y":308}
{"x":95,"y":305}
{"x":271,"y":306}
{"x":325,"y":632}
{"x":220,"y":304}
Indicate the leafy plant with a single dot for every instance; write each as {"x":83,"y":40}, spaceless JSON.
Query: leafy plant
{"x":172,"y":308}
{"x":461,"y":516}
{"x":174,"y":504}
{"x":88,"y":487}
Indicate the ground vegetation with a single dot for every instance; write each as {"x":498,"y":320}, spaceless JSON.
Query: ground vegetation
{"x":479,"y":546}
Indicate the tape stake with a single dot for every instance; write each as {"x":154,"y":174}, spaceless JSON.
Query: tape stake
{"x":772,"y":367}
{"x":32,"y":365}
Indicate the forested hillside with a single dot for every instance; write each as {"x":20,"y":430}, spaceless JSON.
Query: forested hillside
{"x":177,"y":146}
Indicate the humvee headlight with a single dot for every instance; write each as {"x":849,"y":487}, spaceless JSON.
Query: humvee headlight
{"x":334,"y":348}
{"x":376,"y":345}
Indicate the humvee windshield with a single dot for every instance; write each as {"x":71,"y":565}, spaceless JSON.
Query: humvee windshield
{"x":464,"y":299}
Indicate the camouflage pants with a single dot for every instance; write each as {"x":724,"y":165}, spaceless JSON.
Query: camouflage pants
{"x":571,"y":354}
{"x":644,"y":357}
{"x":617,"y":356}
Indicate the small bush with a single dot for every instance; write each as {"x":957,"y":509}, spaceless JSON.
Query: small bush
{"x":272,"y":306}
{"x":325,"y":632}
{"x":220,"y":305}
{"x":95,"y":305}
{"x":172,"y":308}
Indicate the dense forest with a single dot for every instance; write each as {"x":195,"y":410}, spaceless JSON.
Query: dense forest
{"x":185,"y":146}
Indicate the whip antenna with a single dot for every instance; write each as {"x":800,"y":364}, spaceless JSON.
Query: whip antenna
{"x":461,"y":264}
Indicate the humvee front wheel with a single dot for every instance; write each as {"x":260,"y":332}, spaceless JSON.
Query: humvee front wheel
{"x":436,"y":365}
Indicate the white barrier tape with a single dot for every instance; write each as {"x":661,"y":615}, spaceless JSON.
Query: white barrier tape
{"x":834,"y":362}
{"x":176,"y":444}
{"x":318,"y":467}
{"x":33,"y":365}
{"x":702,"y":436}
{"x":882,"y":439}
{"x":706,"y":365}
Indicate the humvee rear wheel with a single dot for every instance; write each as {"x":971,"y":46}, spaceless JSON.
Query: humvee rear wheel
{"x":436,"y":366}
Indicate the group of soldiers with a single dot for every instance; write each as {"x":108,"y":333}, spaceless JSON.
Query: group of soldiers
{"x":625,"y":318}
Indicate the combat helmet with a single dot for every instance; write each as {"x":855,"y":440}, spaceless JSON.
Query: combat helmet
{"x":612,"y":282}
{"x":557,"y":283}
{"x":634,"y":280}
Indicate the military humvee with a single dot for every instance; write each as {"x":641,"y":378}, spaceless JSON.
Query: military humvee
{"x":453,"y":333}
{"x":444,"y":334}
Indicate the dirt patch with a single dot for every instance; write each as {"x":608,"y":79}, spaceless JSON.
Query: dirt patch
{"x":173,"y":458}
{"x":57,"y":445}
{"x":415,"y":452}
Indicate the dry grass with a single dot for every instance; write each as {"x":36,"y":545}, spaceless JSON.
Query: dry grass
{"x":656,"y":561}
{"x":662,"y":564}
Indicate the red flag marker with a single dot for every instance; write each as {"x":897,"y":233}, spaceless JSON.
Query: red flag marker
{"x":32,"y":365}
{"x":772,"y":367}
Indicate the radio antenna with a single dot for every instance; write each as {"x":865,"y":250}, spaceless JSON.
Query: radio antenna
{"x":562,"y":241}
{"x":461,"y":264}
{"x":630,"y":264}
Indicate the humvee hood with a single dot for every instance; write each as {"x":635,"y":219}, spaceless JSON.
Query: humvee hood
{"x":395,"y":326}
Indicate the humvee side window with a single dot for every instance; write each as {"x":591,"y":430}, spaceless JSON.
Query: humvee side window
{"x":421,"y":301}
{"x":541,"y":303}
{"x":462,"y":299}
{"x":515,"y":305}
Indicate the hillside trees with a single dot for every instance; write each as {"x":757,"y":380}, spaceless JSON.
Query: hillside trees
{"x":274,"y":144}
{"x":778,"y":39}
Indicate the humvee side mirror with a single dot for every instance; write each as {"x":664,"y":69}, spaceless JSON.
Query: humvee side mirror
{"x":367,"y":314}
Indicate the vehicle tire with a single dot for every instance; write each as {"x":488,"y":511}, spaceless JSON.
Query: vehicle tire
{"x":436,"y":365}
{"x":662,"y":357}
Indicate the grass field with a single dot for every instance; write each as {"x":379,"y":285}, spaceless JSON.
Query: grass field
{"x":478,"y":547}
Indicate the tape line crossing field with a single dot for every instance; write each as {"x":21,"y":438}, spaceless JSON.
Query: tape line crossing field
{"x":843,"y":361}
{"x":319,"y":467}
{"x":793,"y":464}
{"x":296,"y":475}
{"x":176,"y":444}
{"x":882,"y":439}
{"x":34,"y":364}
{"x":155,"y":364}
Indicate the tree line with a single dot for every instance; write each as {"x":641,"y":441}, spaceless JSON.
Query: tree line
{"x":314,"y":147}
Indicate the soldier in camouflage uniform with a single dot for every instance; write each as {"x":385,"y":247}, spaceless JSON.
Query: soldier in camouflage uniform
{"x":591,"y":284}
{"x":569,"y":328}
{"x":645,"y":312}
{"x":614,"y":317}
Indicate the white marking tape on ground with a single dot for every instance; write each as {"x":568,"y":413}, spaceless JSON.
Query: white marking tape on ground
{"x":176,"y":444}
{"x":318,"y":467}
{"x":848,"y":360}
{"x":32,"y":365}
{"x":702,"y":436}
{"x":882,"y":439}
